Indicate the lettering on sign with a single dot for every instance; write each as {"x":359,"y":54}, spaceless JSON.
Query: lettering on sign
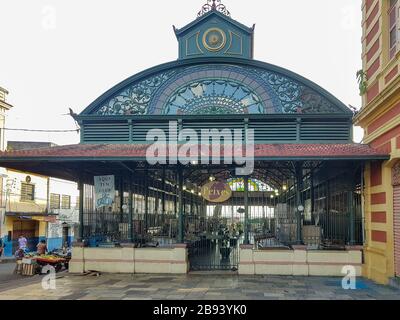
{"x":216,"y":192}
{"x":104,"y":187}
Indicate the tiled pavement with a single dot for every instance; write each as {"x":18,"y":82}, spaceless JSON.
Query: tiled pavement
{"x":198,"y":287}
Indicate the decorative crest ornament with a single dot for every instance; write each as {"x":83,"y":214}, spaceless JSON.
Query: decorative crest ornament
{"x":213,"y":5}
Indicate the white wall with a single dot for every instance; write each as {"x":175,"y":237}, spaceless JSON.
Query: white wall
{"x":13,"y":182}
{"x":69,"y":216}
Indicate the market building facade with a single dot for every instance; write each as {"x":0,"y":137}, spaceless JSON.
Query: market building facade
{"x":380,"y":118}
{"x":297,"y":211}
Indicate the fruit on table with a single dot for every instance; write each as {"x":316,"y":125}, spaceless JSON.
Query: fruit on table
{"x":48,"y":257}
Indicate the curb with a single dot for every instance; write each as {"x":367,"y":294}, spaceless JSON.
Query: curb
{"x":5,"y":261}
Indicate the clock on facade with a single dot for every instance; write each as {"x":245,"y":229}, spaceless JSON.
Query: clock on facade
{"x":214,"y":39}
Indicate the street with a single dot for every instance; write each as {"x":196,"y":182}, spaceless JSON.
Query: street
{"x":6,"y":272}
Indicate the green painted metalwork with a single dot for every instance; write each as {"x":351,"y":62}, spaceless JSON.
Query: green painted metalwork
{"x":214,"y":96}
{"x":281,"y":90}
{"x":215,"y":35}
{"x":216,"y":76}
{"x":180,"y":206}
{"x":298,"y":166}
{"x":266,"y":129}
{"x":81,"y":204}
{"x":246,"y":214}
{"x":217,"y":89}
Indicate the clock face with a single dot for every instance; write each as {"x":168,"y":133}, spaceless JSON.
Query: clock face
{"x":214,"y":39}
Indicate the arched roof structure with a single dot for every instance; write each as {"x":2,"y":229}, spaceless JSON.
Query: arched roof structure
{"x":214,"y":85}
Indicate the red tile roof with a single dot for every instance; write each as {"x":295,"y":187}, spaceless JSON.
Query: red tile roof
{"x":262,"y":151}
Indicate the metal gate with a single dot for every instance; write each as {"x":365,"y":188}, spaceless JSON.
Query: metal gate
{"x":214,"y":239}
{"x":396,"y":218}
{"x":216,"y":231}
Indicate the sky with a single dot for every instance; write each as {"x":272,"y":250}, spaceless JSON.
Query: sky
{"x":59,"y":54}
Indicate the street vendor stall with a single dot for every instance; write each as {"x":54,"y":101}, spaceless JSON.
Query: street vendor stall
{"x":56,"y":262}
{"x":32,"y":263}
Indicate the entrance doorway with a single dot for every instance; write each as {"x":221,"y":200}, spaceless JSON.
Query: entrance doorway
{"x":219,"y":230}
{"x":216,"y":246}
{"x":29,"y":229}
{"x":65,"y":238}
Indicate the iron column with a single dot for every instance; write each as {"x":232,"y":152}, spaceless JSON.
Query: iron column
{"x":350,"y":206}
{"x":246,"y":210}
{"x":130,"y":212}
{"x":181,"y":237}
{"x":299,"y":188}
{"x":146,"y":201}
{"x":81,"y":195}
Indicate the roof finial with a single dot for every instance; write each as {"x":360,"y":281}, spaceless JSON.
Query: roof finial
{"x":214,"y":5}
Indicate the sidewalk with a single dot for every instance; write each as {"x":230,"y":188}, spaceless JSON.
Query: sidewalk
{"x":194,"y":287}
{"x":7,"y":260}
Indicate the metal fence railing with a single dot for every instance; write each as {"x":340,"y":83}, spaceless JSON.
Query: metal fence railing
{"x":332,"y":217}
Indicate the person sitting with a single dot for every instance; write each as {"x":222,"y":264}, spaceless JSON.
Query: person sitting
{"x":19,"y":254}
{"x":41,"y":247}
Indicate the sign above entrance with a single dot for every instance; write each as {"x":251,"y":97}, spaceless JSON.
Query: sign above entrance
{"x":216,"y":192}
{"x":104,"y":188}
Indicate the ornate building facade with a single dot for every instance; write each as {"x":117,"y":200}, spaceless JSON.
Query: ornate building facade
{"x":380,"y":118}
{"x":302,"y":199}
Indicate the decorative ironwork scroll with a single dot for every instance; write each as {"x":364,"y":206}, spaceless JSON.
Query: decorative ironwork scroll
{"x":217,"y":89}
{"x":216,"y":96}
{"x":134,"y":100}
{"x":213,"y":5}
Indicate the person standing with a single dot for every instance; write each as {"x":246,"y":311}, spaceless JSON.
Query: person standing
{"x":22,"y":243}
{"x":41,"y":247}
{"x":1,"y":248}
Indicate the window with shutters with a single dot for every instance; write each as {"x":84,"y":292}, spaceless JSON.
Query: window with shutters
{"x":27,"y":192}
{"x":66,"y":202}
{"x":54,"y":201}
